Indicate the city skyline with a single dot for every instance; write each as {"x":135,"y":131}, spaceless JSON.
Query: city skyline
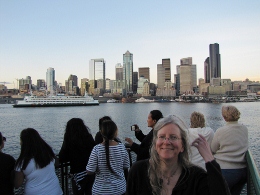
{"x":65,"y":36}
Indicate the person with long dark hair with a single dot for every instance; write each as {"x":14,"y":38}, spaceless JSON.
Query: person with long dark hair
{"x":108,"y":160}
{"x":142,"y":150}
{"x":76,"y":148}
{"x":6,"y":170}
{"x":36,"y":165}
{"x":98,"y":136}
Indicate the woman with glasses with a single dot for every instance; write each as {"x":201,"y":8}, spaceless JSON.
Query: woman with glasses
{"x":169,"y":171}
{"x":6,"y":169}
{"x":229,"y":146}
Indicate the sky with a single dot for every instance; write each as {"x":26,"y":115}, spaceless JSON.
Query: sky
{"x":66,"y":35}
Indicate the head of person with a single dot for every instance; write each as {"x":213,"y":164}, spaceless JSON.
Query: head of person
{"x":33,"y":146}
{"x":170,"y":144}
{"x":153,"y":117}
{"x":197,"y":120}
{"x":2,"y":140}
{"x":76,"y":132}
{"x":104,"y":118}
{"x":109,"y":132}
{"x":230,"y":113}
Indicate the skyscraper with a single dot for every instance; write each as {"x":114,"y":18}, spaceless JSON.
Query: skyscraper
{"x":188,"y":75}
{"x":206,"y":71}
{"x":97,"y":75}
{"x":119,"y":72}
{"x":50,"y":79}
{"x":214,"y":61}
{"x":145,"y":72}
{"x":128,"y":71}
{"x":163,"y":72}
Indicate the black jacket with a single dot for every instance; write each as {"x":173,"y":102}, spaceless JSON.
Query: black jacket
{"x":193,"y":180}
{"x":143,"y":150}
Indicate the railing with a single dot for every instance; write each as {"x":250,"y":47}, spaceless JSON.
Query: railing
{"x":253,"y":179}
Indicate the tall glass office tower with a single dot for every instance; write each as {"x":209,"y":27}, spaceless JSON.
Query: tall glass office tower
{"x":214,"y":61}
{"x":97,"y":74}
{"x":50,"y":79}
{"x":128,"y":71}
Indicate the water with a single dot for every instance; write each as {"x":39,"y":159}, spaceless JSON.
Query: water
{"x":51,"y":122}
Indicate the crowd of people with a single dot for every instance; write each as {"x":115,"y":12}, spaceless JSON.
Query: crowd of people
{"x":171,"y":159}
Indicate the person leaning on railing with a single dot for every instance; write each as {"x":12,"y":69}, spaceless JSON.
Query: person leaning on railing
{"x":229,"y":145}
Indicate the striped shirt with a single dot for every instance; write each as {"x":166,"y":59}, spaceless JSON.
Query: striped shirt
{"x":107,"y":182}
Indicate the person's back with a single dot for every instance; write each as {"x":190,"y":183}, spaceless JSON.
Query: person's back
{"x":35,"y":164}
{"x":197,"y":124}
{"x":196,"y":157}
{"x":229,"y":146}
{"x":6,"y":168}
{"x":76,"y":148}
{"x":108,"y":160}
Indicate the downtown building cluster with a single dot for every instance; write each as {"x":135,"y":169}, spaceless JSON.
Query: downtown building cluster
{"x":130,"y":83}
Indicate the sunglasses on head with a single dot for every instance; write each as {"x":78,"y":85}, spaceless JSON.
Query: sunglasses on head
{"x":4,"y":139}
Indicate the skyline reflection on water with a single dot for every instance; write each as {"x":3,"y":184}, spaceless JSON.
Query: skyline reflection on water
{"x":50,"y":122}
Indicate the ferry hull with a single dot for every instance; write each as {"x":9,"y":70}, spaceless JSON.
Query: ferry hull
{"x":53,"y":105}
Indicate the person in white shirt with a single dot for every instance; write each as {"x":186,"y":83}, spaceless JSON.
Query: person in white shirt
{"x":36,"y":165}
{"x":197,"y":126}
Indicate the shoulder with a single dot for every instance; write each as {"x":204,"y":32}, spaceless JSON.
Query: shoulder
{"x":7,"y":156}
{"x":140,"y":165}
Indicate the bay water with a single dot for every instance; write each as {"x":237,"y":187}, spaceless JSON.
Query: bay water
{"x":50,"y":122}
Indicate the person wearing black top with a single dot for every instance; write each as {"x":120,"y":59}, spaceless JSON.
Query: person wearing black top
{"x":142,"y":150}
{"x":6,"y":169}
{"x":76,"y":149}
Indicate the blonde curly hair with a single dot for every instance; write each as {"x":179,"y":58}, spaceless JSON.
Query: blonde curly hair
{"x":197,"y":120}
{"x":230,"y":113}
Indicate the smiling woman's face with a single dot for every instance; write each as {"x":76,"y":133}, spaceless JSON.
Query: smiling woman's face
{"x":169,"y":149}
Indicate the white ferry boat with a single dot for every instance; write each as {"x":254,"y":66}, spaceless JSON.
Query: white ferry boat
{"x":54,"y":101}
{"x":143,"y":100}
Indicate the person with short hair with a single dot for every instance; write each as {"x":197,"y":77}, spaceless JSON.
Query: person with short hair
{"x":108,"y":160}
{"x":142,"y":150}
{"x":197,"y":126}
{"x":6,"y":170}
{"x":229,"y":146}
{"x":35,"y":165}
{"x":169,"y":171}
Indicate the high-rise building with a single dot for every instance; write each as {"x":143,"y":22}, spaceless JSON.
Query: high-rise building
{"x":214,"y":61}
{"x":206,"y":71}
{"x":128,"y":71}
{"x":188,"y":75}
{"x":163,"y":72}
{"x":71,"y":83}
{"x":97,"y":75}
{"x":40,"y":84}
{"x":135,"y":82}
{"x":84,"y":86}
{"x":50,"y":79}
{"x":144,"y":72}
{"x":119,"y":72}
{"x":25,"y":84}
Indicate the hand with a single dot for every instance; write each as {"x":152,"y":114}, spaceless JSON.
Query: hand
{"x":136,"y":128}
{"x":129,"y":140}
{"x":203,"y":147}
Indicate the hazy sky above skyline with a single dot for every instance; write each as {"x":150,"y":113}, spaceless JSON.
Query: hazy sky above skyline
{"x":65,"y":35}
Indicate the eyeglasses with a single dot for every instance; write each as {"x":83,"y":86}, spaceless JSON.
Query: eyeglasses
{"x":171,"y":139}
